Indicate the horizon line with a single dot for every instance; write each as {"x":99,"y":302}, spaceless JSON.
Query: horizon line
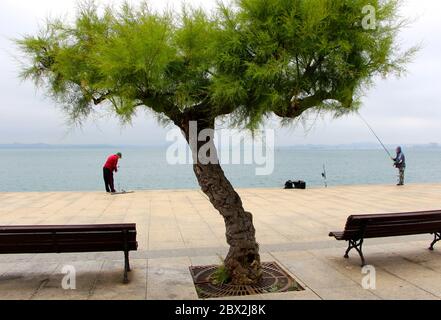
{"x":124,"y":145}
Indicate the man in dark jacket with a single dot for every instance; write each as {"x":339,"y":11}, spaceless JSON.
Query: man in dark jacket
{"x":400,"y":164}
{"x":111,"y":166}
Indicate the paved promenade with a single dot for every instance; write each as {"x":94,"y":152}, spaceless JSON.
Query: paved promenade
{"x":177,"y":229}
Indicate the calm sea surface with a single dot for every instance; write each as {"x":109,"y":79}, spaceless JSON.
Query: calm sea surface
{"x":76,"y":169}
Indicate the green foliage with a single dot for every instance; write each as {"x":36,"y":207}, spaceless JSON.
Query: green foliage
{"x":249,"y":61}
{"x":221,"y":275}
{"x":289,"y":56}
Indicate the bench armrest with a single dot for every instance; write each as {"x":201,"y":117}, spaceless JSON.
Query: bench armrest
{"x":337,"y":235}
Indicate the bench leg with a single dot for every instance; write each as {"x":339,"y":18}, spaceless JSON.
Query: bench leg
{"x":436,"y":238}
{"x":357,"y":245}
{"x":126,"y":260}
{"x":126,"y":266}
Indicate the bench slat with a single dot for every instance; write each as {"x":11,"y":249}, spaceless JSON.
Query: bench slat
{"x":79,"y":236}
{"x":69,"y":228}
{"x":395,"y":215}
{"x":67,"y":248}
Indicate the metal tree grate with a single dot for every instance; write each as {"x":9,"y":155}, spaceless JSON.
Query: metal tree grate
{"x":274,"y":279}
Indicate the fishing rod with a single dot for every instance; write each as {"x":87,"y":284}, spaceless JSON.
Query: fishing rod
{"x":325,"y":176}
{"x":373,"y":132}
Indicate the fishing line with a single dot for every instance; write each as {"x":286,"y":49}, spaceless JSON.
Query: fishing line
{"x":373,"y":132}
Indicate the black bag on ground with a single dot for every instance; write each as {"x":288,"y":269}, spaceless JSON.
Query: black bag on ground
{"x":300,"y":184}
{"x":295,"y":184}
{"x":289,"y":184}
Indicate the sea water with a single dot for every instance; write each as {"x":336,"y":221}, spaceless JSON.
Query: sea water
{"x":144,"y":168}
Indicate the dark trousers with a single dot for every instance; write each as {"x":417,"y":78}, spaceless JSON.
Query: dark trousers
{"x":401,"y":176}
{"x":108,"y":180}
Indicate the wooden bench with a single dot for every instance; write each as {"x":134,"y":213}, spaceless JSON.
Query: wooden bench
{"x":74,"y":238}
{"x":360,"y":227}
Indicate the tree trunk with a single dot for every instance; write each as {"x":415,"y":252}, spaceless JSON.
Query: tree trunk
{"x":243,"y":259}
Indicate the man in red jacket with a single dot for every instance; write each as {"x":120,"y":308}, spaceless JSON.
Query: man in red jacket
{"x":111,"y":166}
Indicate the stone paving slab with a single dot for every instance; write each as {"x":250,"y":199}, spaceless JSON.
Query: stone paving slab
{"x":180,"y":228}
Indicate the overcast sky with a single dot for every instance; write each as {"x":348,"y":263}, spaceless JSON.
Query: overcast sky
{"x":406,"y":110}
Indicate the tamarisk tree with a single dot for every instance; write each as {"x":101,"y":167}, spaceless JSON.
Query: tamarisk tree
{"x":247,"y":61}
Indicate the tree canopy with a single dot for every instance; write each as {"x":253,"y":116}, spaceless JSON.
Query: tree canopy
{"x":249,"y":60}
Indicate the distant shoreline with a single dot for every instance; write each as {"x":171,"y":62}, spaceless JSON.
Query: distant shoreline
{"x":71,"y":146}
{"x":353,"y":146}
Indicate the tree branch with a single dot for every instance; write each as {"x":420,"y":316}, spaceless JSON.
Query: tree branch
{"x":101,"y":99}
{"x":298,"y":106}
